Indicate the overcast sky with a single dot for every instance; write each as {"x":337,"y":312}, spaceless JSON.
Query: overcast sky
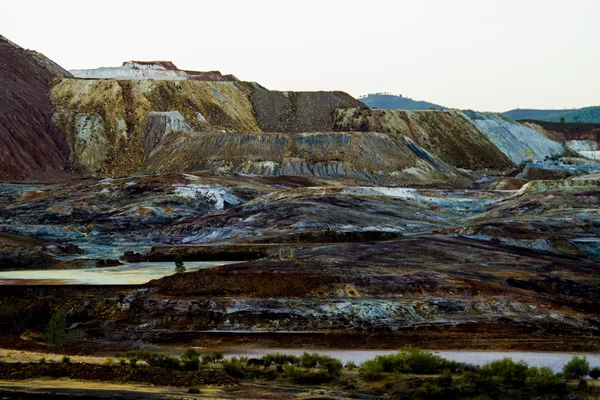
{"x":490,"y":55}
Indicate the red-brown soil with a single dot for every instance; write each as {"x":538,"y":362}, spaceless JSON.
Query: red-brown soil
{"x":31,"y":148}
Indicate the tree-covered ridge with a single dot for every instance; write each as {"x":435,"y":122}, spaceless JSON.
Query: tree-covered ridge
{"x":590,"y":115}
{"x":388,"y":101}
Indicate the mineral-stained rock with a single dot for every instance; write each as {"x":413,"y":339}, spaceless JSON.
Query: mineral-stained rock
{"x":158,"y":70}
{"x":518,"y":142}
{"x":447,"y":134}
{"x":31,"y":147}
{"x":371,"y":157}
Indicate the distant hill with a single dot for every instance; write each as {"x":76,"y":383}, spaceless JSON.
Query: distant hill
{"x":386,"y":101}
{"x":587,"y":115}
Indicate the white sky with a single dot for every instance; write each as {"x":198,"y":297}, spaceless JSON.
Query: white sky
{"x":482,"y":54}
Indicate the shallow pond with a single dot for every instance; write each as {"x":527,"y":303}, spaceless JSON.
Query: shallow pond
{"x":127,"y":274}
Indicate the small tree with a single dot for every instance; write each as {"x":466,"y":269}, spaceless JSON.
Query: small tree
{"x":56,"y":331}
{"x":577,"y":368}
{"x":595,"y":372}
{"x":179,"y":267}
{"x":562,"y":120}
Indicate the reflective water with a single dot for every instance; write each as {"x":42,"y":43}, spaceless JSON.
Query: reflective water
{"x":127,"y":274}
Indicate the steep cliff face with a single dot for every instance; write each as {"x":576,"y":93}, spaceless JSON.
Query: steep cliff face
{"x":31,"y":148}
{"x":112,"y":125}
{"x":371,"y":157}
{"x":448,"y":134}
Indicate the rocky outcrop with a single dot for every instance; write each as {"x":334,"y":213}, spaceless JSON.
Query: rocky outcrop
{"x":31,"y":148}
{"x":112,"y":125}
{"x":448,"y":134}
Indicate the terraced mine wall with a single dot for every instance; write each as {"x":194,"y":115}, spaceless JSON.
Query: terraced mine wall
{"x":462,"y":139}
{"x":448,"y":134}
{"x":124,"y":127}
{"x":119,"y":128}
{"x":373,"y":157}
{"x":31,"y":148}
{"x":111,"y":125}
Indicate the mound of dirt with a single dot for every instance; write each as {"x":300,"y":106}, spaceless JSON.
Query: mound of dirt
{"x":298,"y":111}
{"x":31,"y":148}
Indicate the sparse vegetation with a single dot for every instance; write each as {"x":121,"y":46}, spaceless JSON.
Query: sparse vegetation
{"x":179,"y":265}
{"x":56,"y":330}
{"x":350,"y":365}
{"x":390,"y":375}
{"x":191,"y":360}
{"x":577,"y":368}
{"x":409,"y":360}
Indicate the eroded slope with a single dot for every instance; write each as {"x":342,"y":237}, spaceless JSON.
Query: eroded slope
{"x":448,"y":134}
{"x":30,"y":145}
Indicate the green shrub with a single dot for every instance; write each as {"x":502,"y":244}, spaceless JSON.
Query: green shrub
{"x":544,"y":381}
{"x":308,"y":377}
{"x":191,"y":360}
{"x":163,"y":361}
{"x":133,"y":362}
{"x":309,"y":360}
{"x":577,"y":368}
{"x":350,"y":365}
{"x":179,"y":265}
{"x":595,"y":373}
{"x":122,"y":362}
{"x":280,"y":359}
{"x":505,"y":370}
{"x":66,"y":360}
{"x":413,"y":360}
{"x":234,"y":367}
{"x":371,"y":370}
{"x":42,"y":360}
{"x":109,"y":361}
{"x":212,"y":357}
{"x":332,"y":365}
{"x":194,"y":390}
{"x":189,"y":354}
{"x":445,"y":379}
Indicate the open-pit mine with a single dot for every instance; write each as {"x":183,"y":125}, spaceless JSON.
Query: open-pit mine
{"x":303,"y":220}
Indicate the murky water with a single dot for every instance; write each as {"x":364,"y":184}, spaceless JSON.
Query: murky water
{"x":120,"y":275}
{"x":553,"y":360}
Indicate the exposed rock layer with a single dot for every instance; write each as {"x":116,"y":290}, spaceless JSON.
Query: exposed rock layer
{"x":448,"y":134}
